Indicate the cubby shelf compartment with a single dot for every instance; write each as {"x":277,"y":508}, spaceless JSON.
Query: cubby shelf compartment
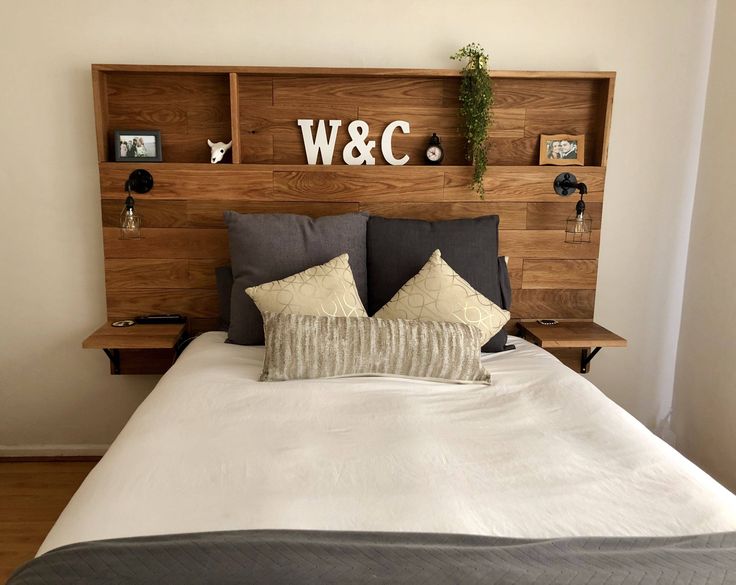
{"x":257,"y":107}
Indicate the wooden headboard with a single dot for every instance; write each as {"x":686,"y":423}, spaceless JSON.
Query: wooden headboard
{"x":171,"y":269}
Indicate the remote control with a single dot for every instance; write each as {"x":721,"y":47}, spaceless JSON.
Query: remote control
{"x":159,"y":319}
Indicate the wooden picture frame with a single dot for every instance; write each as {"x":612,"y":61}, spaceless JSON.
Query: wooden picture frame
{"x":127,"y":141}
{"x":562,"y":149}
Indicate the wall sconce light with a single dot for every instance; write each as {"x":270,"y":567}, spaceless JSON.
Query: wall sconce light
{"x":139,"y":181}
{"x":578,"y":227}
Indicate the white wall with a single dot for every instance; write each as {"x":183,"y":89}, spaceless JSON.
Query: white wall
{"x":705,"y":388}
{"x":52,"y":293}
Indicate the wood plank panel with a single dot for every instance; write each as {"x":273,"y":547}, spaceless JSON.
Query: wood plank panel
{"x":124,"y":303}
{"x":530,"y":184}
{"x":350,"y":90}
{"x":581,"y":119}
{"x":374,"y":184}
{"x":235,"y":153}
{"x":545,"y":244}
{"x":154,"y":273}
{"x":283,"y":119}
{"x":187,"y":109}
{"x":199,"y":325}
{"x":553,"y":304}
{"x":289,"y":149}
{"x":552,"y":215}
{"x":255,"y":91}
{"x":256,"y":148}
{"x":209,"y":214}
{"x":508,"y":123}
{"x":170,"y":213}
{"x":208,"y":181}
{"x":511,"y":215}
{"x":422,"y":120}
{"x":168,"y":243}
{"x":571,"y":274}
{"x":541,"y":93}
{"x":172,"y":267}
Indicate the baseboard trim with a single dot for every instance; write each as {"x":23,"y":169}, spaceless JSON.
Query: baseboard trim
{"x":27,"y":453}
{"x":52,"y":459}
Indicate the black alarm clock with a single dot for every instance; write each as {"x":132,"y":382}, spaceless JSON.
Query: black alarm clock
{"x":434,"y":153}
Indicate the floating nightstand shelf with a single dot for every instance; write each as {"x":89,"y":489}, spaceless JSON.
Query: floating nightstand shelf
{"x":572,"y":334}
{"x":139,"y":349}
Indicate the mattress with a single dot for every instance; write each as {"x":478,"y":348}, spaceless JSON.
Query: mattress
{"x":540,"y":453}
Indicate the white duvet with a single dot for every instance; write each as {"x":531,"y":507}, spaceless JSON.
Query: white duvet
{"x":540,"y":453}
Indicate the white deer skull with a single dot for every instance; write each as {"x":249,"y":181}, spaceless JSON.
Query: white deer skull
{"x":218,"y":150}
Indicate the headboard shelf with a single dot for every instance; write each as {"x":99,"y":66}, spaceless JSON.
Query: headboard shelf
{"x":257,"y":107}
{"x":171,"y":269}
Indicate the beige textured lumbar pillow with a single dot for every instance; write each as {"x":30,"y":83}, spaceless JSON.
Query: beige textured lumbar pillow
{"x":309,"y":346}
{"x":327,"y":289}
{"x":438,"y":293}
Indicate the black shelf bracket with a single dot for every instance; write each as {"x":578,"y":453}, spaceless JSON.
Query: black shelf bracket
{"x":586,"y":358}
{"x":114,"y":355}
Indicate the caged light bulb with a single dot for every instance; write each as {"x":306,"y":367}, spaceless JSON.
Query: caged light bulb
{"x":578,"y":229}
{"x":130,"y":221}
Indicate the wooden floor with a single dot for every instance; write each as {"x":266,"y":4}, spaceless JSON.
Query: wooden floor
{"x":32,"y":495}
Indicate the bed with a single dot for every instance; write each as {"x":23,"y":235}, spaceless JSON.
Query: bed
{"x":218,"y":478}
{"x":541,"y":453}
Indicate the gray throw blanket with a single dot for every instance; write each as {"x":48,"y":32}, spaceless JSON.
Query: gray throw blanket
{"x":273,"y":557}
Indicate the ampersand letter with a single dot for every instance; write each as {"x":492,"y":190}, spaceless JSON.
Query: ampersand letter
{"x":358,"y":131}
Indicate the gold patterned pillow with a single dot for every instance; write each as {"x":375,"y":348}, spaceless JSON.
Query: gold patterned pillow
{"x":438,"y":293}
{"x":328,"y":289}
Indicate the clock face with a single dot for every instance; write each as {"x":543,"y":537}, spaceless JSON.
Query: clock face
{"x":434,"y":154}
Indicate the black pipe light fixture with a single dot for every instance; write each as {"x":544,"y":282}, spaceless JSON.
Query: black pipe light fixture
{"x":579,"y":227}
{"x":139,"y":181}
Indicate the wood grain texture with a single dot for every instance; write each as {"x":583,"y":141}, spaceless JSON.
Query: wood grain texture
{"x":545,"y":244}
{"x":235,"y":153}
{"x":126,"y":303}
{"x":340,"y":90}
{"x":527,"y":183}
{"x":553,"y":304}
{"x":571,"y":274}
{"x":162,"y":336}
{"x":382,"y":184}
{"x":32,"y":495}
{"x":511,"y":215}
{"x":187,"y":109}
{"x":155,"y":273}
{"x":552,"y":215}
{"x":171,"y":269}
{"x":187,"y":181}
{"x":580,"y":334}
{"x":205,"y":214}
{"x":168,"y":243}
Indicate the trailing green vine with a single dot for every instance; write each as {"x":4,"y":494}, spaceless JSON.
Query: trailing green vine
{"x":476,"y":100}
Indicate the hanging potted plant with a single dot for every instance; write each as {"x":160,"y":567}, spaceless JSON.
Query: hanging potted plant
{"x":476,"y":100}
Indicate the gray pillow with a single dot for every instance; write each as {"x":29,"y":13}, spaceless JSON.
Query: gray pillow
{"x":398,"y":248}
{"x":224,"y":280}
{"x":309,"y":346}
{"x":267,"y":247}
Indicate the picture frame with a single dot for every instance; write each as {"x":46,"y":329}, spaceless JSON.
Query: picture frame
{"x":562,"y":149}
{"x":137,"y":146}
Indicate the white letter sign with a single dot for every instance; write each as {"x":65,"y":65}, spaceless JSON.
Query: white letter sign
{"x":358,"y":131}
{"x":388,"y":135}
{"x":320,"y":144}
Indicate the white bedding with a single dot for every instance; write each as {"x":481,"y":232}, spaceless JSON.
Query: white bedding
{"x":540,"y":453}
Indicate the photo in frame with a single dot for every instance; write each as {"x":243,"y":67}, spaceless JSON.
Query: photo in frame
{"x":137,"y":146}
{"x":562,"y":149}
